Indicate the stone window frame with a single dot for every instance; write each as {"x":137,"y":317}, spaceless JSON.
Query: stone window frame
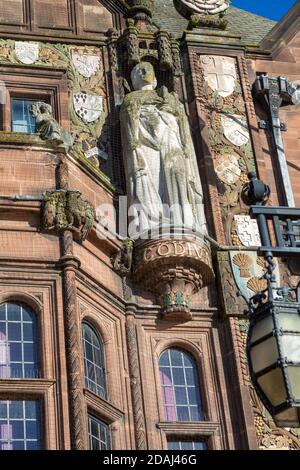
{"x":35,"y":83}
{"x":199,"y":430}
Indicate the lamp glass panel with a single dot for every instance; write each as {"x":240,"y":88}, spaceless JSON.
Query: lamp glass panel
{"x":289,"y":321}
{"x":288,"y":419}
{"x":262,"y":328}
{"x":264,"y":354}
{"x":294,"y":376}
{"x":273,"y":386}
{"x":291,"y":347}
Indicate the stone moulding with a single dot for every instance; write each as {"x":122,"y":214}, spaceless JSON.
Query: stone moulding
{"x":173,"y":269}
{"x":67,"y":210}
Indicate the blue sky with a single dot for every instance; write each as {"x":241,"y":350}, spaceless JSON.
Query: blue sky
{"x":274,"y":9}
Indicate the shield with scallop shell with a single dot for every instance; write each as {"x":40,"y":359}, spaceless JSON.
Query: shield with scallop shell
{"x":248,"y":270}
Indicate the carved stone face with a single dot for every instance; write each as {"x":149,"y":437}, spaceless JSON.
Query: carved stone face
{"x":143,"y":76}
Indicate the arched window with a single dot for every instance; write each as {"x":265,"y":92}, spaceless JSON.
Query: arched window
{"x":18,"y":342}
{"x":180,"y":386}
{"x":93,"y":361}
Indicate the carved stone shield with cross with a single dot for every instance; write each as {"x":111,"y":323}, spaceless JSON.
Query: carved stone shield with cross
{"x":220,"y":73}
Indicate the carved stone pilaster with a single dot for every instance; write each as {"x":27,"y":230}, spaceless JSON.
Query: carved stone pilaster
{"x":135,"y":383}
{"x":174,"y":269}
{"x":69,"y":265}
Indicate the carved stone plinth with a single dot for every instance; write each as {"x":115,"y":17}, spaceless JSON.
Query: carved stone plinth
{"x":174,"y":269}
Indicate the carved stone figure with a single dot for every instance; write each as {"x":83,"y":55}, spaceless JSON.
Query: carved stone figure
{"x":49,"y":129}
{"x":159,"y":156}
{"x":123,"y":261}
{"x":67,"y":210}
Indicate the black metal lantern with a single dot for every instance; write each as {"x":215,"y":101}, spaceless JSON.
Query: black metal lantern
{"x":273,"y":349}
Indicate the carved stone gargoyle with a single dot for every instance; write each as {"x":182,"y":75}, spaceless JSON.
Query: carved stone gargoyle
{"x":123,"y":261}
{"x":67,"y":210}
{"x":49,"y":129}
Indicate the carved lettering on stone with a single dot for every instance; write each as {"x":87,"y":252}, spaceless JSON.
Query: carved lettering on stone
{"x":220,"y":73}
{"x":228,"y":169}
{"x":27,"y":52}
{"x":247,"y":230}
{"x":235,"y":129}
{"x":88,"y":107}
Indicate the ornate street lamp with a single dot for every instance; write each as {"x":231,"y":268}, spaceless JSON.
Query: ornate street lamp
{"x":273,"y":350}
{"x":273,"y":344}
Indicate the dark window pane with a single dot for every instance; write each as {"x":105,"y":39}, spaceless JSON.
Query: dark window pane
{"x":17,"y":429}
{"x":166,"y":376}
{"x":178,"y":376}
{"x":13,"y":312}
{"x":31,"y":430}
{"x":181,"y":396}
{"x":176,"y":357}
{"x":2,"y":331}
{"x":3,"y":409}
{"x":98,"y":434}
{"x":29,"y":352}
{"x":33,"y":445}
{"x":31,"y":408}
{"x":16,"y":410}
{"x":14,"y":331}
{"x":28,"y":315}
{"x":196,"y":414}
{"x":15,"y":352}
{"x":2,"y":312}
{"x":22,"y":118}
{"x":183,"y":413}
{"x":29,"y":333}
{"x":191,"y":377}
{"x":19,"y":445}
{"x":164,"y":360}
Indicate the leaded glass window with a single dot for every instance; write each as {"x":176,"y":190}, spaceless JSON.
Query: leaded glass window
{"x":18,"y":342}
{"x":180,"y":386}
{"x":186,"y":444}
{"x":98,"y":434}
{"x":20,"y":425}
{"x":94,"y":361}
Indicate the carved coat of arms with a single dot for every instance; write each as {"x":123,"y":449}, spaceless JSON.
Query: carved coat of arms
{"x":88,"y":107}
{"x":220,"y":73}
{"x":247,"y":230}
{"x":86,"y":64}
{"x":235,"y":129}
{"x":228,"y":169}
{"x":248,"y":271}
{"x":27,"y":52}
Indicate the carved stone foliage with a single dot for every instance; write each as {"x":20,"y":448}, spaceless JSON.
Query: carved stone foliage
{"x":88,"y":108}
{"x":67,"y":210}
{"x":269,"y":437}
{"x":233,"y":304}
{"x":229,"y":137}
{"x":174,"y":270}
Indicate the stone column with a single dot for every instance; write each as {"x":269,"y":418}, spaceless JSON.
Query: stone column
{"x":135,"y":383}
{"x":69,"y":265}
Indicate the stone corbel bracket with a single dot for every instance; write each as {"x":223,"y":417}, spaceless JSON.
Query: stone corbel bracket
{"x":66,"y":210}
{"x":173,"y":269}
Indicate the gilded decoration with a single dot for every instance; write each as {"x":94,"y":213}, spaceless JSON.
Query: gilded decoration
{"x":67,"y":210}
{"x":87,"y":90}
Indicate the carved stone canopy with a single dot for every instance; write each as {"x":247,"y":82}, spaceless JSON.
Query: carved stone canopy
{"x":144,"y":6}
{"x":174,"y":269}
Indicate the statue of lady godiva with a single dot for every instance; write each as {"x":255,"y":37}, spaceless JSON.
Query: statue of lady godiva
{"x":163,"y":180}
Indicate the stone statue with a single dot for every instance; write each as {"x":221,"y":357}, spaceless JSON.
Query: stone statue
{"x":49,"y":129}
{"x":159,"y":156}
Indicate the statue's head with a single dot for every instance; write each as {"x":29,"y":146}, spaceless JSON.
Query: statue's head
{"x":143,"y":76}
